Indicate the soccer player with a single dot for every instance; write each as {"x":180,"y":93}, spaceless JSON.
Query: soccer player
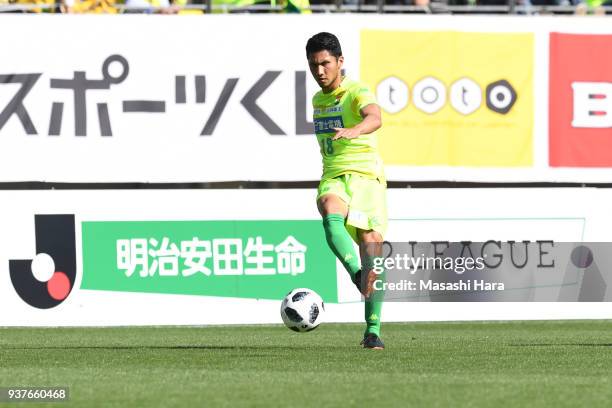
{"x":352,"y":193}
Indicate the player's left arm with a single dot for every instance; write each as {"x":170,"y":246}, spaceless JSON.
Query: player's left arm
{"x":370,"y":123}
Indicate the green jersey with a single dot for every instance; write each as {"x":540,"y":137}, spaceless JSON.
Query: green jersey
{"x":341,"y":109}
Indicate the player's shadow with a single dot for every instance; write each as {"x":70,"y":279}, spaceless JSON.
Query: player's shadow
{"x":562,"y":344}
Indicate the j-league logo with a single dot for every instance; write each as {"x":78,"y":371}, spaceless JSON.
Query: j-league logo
{"x":47,"y":279}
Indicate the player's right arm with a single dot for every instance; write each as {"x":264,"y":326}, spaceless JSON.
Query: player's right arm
{"x":371,"y":122}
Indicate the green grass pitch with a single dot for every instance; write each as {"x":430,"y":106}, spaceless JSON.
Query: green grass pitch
{"x":534,"y":364}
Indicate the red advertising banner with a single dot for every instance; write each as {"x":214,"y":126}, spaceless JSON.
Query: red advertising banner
{"x":580,"y":118}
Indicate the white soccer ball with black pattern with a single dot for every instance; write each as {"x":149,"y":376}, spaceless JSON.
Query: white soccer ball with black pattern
{"x":302,"y":310}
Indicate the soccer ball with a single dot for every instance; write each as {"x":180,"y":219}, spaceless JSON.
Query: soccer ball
{"x":302,"y":310}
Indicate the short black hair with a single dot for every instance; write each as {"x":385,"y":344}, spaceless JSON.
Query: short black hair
{"x":323,"y":42}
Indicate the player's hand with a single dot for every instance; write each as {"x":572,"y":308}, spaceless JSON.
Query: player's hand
{"x":347,"y":133}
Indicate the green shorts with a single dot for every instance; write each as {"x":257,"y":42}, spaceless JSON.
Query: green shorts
{"x":366,"y":199}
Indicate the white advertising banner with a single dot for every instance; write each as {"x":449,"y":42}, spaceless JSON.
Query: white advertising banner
{"x":150,"y":98}
{"x":168,"y":257}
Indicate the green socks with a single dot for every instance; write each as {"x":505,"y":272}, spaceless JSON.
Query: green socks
{"x":341,"y":243}
{"x":372,"y":314}
{"x":373,"y":304}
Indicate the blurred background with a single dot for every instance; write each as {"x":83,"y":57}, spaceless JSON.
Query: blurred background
{"x":161,"y":128}
{"x":526,"y":7}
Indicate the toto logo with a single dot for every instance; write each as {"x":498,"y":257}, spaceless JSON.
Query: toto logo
{"x":46,"y":280}
{"x":429,"y":95}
